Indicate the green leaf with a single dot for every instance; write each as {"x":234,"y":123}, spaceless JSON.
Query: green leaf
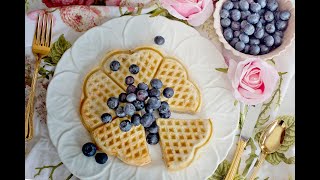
{"x":289,"y":137}
{"x":251,"y":158}
{"x":276,"y":158}
{"x":224,"y":70}
{"x":57,"y":50}
{"x":235,"y":103}
{"x":266,"y":178}
{"x":282,"y":73}
{"x":271,"y":61}
{"x":256,"y":178}
{"x":221,"y":171}
{"x":158,"y":12}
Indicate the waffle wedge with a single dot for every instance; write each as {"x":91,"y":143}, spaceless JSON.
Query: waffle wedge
{"x":180,"y":140}
{"x":130,"y":147}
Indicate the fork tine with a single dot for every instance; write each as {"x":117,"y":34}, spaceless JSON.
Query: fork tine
{"x":43,"y":29}
{"x":49,"y":30}
{"x":38,"y":29}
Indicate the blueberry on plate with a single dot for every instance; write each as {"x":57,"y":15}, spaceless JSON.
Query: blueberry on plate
{"x":254,"y":50}
{"x":268,"y":16}
{"x":153,"y":128}
{"x":153,"y":138}
{"x":261,"y":12}
{"x":228,"y":34}
{"x":246,"y":48}
{"x":114,"y":65}
{"x":120,"y":112}
{"x":277,"y":15}
{"x":101,"y":158}
{"x":277,"y":40}
{"x":254,"y":41}
{"x":159,"y":40}
{"x":234,"y":41}
{"x":285,"y":15}
{"x":142,"y":86}
{"x":106,"y":118}
{"x":168,"y":92}
{"x":235,"y":25}
{"x":139,"y":105}
{"x":244,"y":38}
{"x":148,"y":108}
{"x":281,"y":25}
{"x":279,"y":33}
{"x":272,"y":5}
{"x":225,"y":22}
{"x":245,"y":14}
{"x":129,"y":109}
{"x":165,"y":115}
{"x":235,"y":5}
{"x":235,"y":15}
{"x":253,"y":18}
{"x":224,"y":13}
{"x":228,"y":5}
{"x":89,"y":149}
{"x":131,"y":97}
{"x":154,"y":102}
{"x":255,"y":7}
{"x":243,"y":23}
{"x":135,"y":119}
{"x":262,"y":3}
{"x":142,"y":95}
{"x":153,"y":92}
{"x":263,"y":49}
{"x":147,"y":119}
{"x":134,"y":69}
{"x":156,"y":83}
{"x":270,"y":28}
{"x":239,"y":46}
{"x":164,"y":107}
{"x":259,"y":25}
{"x":236,"y":34}
{"x":248,"y":29}
{"x":129,"y":80}
{"x":113,"y":102}
{"x":243,"y":5}
{"x":131,"y":89}
{"x":125,"y":125}
{"x":268,"y":41}
{"x":122,"y":97}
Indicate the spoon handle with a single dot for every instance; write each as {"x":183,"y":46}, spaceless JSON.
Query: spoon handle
{"x":257,"y":167}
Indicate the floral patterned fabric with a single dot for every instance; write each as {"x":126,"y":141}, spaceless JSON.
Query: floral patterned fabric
{"x":70,"y":22}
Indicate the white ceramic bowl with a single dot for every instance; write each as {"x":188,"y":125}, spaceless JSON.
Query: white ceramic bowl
{"x":288,"y":38}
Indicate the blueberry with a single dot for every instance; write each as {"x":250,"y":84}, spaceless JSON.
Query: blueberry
{"x":254,"y":41}
{"x":165,"y":115}
{"x":244,"y":5}
{"x":279,"y":33}
{"x":154,"y":102}
{"x":245,"y":14}
{"x":134,"y":69}
{"x":156,"y":83}
{"x":159,"y":40}
{"x":268,"y":41}
{"x":254,"y":50}
{"x":168,"y":92}
{"x":131,"y":97}
{"x":263,"y":22}
{"x":258,"y":25}
{"x":281,"y":25}
{"x":113,"y":103}
{"x":147,"y":119}
{"x":253,"y":18}
{"x":89,"y":149}
{"x":164,"y":107}
{"x":261,"y":12}
{"x":122,"y":97}
{"x":129,"y":80}
{"x":225,"y":22}
{"x":135,"y":119}
{"x":236,"y":5}
{"x":277,"y":15}
{"x":277,"y":40}
{"x":101,"y":158}
{"x":244,"y":38}
{"x":246,"y":48}
{"x":153,"y":92}
{"x":129,"y":109}
{"x":142,"y":86}
{"x":236,"y":33}
{"x":153,"y":128}
{"x":239,"y":46}
{"x":131,"y":89}
{"x":148,"y":108}
{"x":248,"y":29}
{"x":270,"y":28}
{"x":235,"y":25}
{"x":262,"y":3}
{"x":235,"y":15}
{"x":234,"y":41}
{"x":272,"y":5}
{"x":224,"y":13}
{"x":139,"y":105}
{"x":263,"y":49}
{"x":268,"y":16}
{"x":152,"y":138}
{"x":106,"y":118}
{"x":255,"y":7}
{"x":228,"y":5}
{"x":120,"y":112}
{"x":228,"y":34}
{"x":243,"y":23}
{"x":125,"y":125}
{"x":142,"y":95}
{"x":114,"y":65}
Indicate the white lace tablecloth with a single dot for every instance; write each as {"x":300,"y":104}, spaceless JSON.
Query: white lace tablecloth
{"x":73,"y":21}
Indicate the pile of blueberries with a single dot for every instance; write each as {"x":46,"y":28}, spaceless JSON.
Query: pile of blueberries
{"x":253,"y":27}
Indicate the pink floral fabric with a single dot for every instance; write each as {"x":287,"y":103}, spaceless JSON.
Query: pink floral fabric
{"x":57,"y":3}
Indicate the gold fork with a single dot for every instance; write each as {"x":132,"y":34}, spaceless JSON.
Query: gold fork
{"x":40,"y":48}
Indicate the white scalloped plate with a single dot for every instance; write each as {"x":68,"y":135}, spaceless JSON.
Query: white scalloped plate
{"x":200,"y":57}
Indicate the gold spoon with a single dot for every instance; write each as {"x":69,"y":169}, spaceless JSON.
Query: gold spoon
{"x":270,"y":141}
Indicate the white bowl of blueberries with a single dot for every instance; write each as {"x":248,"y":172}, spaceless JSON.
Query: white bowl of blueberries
{"x":255,"y":28}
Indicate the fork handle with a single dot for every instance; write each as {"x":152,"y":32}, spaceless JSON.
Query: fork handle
{"x":30,"y":106}
{"x":257,"y":167}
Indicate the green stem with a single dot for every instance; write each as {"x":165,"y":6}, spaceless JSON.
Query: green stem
{"x":52,"y":170}
{"x":69,"y":177}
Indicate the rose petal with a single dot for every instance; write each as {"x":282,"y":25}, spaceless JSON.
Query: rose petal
{"x":202,"y":16}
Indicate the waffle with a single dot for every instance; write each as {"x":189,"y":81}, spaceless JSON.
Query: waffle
{"x":130,"y":147}
{"x":147,"y":58}
{"x":180,"y":140}
{"x":186,"y":96}
{"x":97,"y":88}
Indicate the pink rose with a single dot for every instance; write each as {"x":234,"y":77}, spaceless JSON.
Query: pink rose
{"x":196,"y":12}
{"x":57,"y":3}
{"x":253,"y":80}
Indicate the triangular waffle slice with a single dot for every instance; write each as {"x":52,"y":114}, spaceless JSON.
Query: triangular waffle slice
{"x":130,"y":147}
{"x":180,"y":140}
